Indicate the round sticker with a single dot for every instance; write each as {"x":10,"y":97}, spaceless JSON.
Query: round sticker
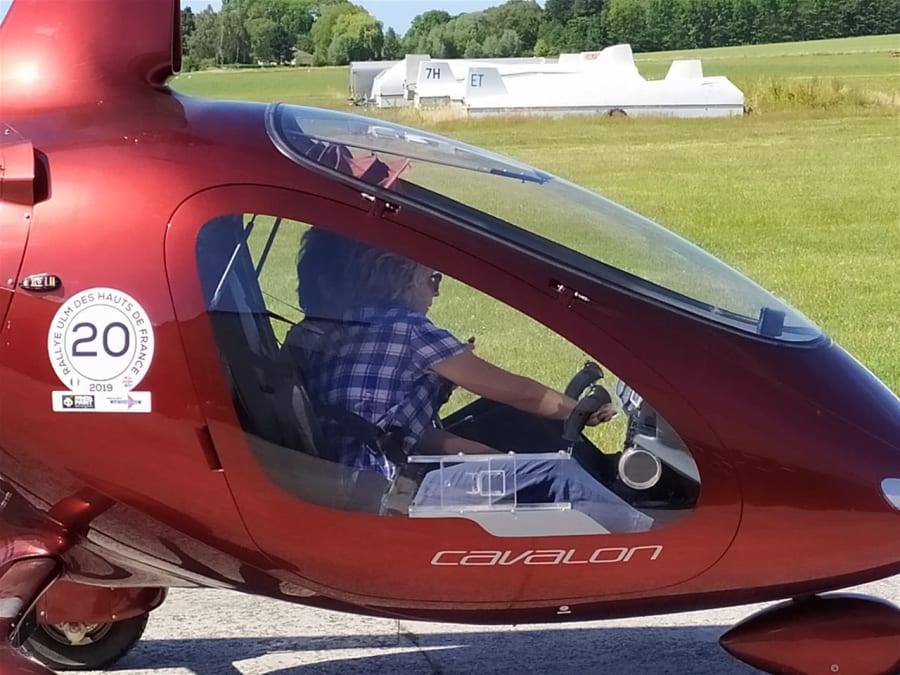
{"x":100,"y":340}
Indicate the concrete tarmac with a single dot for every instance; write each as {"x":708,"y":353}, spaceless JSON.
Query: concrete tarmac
{"x":208,"y":632}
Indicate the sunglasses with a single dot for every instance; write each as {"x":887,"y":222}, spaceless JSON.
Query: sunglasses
{"x":435,"y":281}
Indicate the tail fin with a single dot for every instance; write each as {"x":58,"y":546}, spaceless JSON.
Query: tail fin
{"x":685,"y":69}
{"x":484,"y":81}
{"x":434,"y":79}
{"x":67,"y":52}
{"x":411,"y":62}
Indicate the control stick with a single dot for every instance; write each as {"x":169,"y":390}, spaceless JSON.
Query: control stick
{"x":597,"y":398}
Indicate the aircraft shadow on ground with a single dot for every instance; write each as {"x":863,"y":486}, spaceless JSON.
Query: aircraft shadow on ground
{"x":624,"y":651}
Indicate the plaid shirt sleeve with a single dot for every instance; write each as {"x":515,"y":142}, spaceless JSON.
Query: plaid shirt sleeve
{"x":431,"y":345}
{"x":428,"y":345}
{"x":381,"y":368}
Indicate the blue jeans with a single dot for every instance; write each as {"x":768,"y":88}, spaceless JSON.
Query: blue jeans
{"x":529,"y":481}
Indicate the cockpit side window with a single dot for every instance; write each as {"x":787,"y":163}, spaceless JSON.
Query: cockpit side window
{"x":336,"y":354}
{"x":4,"y":10}
{"x":240,"y":319}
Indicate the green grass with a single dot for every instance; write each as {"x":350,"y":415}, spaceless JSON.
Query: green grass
{"x":803,"y":196}
{"x":806,"y":204}
{"x":320,"y":87}
{"x":864,"y":65}
{"x":878,"y":44}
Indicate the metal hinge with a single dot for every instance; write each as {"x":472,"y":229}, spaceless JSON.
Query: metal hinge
{"x":566,"y":295}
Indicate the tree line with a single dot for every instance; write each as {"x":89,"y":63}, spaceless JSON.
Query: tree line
{"x":335,"y":32}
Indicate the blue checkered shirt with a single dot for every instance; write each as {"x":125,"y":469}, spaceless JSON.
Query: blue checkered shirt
{"x":377,"y":363}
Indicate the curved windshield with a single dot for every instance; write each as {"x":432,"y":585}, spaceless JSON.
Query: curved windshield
{"x":534,"y":210}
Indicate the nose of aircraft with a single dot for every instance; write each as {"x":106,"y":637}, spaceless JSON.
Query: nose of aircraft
{"x":820,"y":476}
{"x":868,"y":442}
{"x":861,"y":417}
{"x":841,"y":526}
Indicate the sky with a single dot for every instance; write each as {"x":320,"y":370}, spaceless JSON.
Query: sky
{"x":400,"y":13}
{"x":392,"y":13}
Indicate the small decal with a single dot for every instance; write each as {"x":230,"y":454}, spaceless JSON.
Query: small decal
{"x":70,"y":401}
{"x":127,"y":402}
{"x":41,"y":282}
{"x":100,"y":342}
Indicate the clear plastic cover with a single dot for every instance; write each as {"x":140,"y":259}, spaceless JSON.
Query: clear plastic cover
{"x":535,"y":210}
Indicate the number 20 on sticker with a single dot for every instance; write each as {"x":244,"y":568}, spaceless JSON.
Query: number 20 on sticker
{"x":100,"y":340}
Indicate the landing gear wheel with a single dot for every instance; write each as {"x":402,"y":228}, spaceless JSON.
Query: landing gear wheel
{"x":84,"y":646}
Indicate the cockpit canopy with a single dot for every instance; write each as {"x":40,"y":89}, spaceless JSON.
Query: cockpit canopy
{"x":533,"y":210}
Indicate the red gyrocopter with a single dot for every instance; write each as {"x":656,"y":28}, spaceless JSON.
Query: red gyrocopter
{"x":154,"y":434}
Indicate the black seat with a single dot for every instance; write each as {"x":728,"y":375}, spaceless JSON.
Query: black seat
{"x":247,"y":343}
{"x":267,"y":381}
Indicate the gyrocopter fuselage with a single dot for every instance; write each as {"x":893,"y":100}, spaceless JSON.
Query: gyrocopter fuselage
{"x":157,"y":430}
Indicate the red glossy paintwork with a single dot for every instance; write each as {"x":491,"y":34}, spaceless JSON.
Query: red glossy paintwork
{"x":68,"y":602}
{"x":29,"y":562}
{"x":12,"y":661}
{"x":792,"y":442}
{"x":328,"y":562}
{"x":830,"y":634}
{"x":17,"y":160}
{"x":17,"y":169}
{"x":21,"y":580}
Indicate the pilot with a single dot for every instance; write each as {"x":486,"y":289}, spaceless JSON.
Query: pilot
{"x":323,"y":287}
{"x":386,"y":362}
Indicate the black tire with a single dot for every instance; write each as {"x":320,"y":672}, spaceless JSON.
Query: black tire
{"x":101,"y":647}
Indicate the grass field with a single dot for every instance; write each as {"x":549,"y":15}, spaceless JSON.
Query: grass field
{"x":868,"y":60}
{"x":802,"y":195}
{"x":864,"y":65}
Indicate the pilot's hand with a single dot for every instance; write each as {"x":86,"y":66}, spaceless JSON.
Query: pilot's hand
{"x":603,"y":414}
{"x":445,"y":390}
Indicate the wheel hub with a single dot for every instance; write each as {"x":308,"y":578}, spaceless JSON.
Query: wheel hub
{"x":73,"y":633}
